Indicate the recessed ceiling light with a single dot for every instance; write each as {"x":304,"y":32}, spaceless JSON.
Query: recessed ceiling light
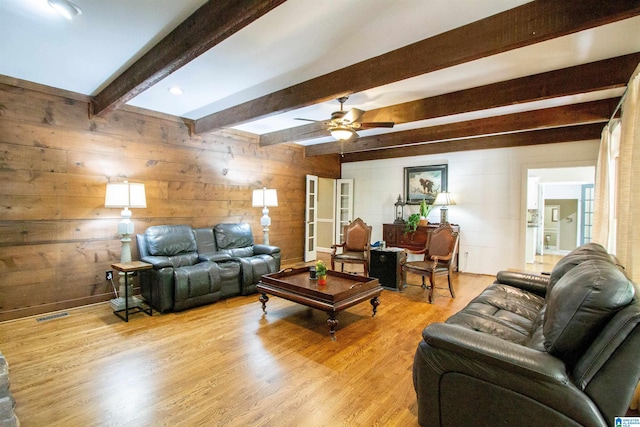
{"x":65,"y":8}
{"x":176,"y":90}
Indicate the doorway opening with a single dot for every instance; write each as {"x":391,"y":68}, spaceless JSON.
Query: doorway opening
{"x":559,"y":214}
{"x":329,"y":208}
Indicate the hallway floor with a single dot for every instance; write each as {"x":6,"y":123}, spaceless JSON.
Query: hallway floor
{"x":543,"y":263}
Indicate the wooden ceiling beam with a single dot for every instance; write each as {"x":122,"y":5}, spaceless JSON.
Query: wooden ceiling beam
{"x":212,"y":23}
{"x":525,"y":25}
{"x":600,"y":75}
{"x":587,"y":112}
{"x":584,"y":132}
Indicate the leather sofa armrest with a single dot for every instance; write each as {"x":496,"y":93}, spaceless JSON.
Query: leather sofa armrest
{"x":453,"y":361}
{"x":490,"y":350}
{"x":215,"y":257}
{"x":158,"y":261}
{"x":534,"y":283}
{"x":259,"y":249}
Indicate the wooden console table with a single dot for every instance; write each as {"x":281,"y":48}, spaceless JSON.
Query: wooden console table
{"x":395,"y":236}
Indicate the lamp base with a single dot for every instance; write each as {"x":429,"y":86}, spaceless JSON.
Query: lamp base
{"x":119,"y":303}
{"x":444,"y":218}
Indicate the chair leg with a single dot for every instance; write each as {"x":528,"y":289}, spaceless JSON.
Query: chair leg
{"x":333,"y":266}
{"x":424,"y":285}
{"x":432,"y":281}
{"x":453,"y":295}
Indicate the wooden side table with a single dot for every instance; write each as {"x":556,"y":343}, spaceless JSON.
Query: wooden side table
{"x":126,"y":268}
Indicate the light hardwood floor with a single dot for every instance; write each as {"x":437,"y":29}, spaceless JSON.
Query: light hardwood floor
{"x":226,"y":363}
{"x":543,"y":263}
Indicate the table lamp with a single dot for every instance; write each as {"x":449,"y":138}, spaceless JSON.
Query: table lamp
{"x":444,"y":199}
{"x":125,"y":195}
{"x":265,"y":197}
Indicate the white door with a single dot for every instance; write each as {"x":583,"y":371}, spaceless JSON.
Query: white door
{"x":311,"y":219}
{"x":344,"y":205}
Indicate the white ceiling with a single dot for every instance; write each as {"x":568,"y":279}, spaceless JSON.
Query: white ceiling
{"x":297,"y":41}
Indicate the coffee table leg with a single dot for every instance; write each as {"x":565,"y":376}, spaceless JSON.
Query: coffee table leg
{"x":332,"y":322}
{"x":375,"y":302}
{"x":263,"y":299}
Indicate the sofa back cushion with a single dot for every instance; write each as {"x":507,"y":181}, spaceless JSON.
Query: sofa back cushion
{"x":234,"y":236}
{"x":577,"y":256}
{"x":169,"y":240}
{"x":205,"y":241}
{"x":580,"y":304}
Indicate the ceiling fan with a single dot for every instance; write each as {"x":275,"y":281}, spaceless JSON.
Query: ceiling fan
{"x":344,"y":124}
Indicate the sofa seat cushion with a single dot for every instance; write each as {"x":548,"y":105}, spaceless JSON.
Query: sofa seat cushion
{"x":183,"y":260}
{"x":581,"y":303}
{"x":502,"y":311}
{"x":247,"y":251}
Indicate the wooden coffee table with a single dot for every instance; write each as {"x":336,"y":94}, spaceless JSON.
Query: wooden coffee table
{"x":342,"y":291}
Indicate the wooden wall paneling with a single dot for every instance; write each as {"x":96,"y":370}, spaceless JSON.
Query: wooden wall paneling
{"x":21,"y":232}
{"x":32,"y":158}
{"x":57,"y":238}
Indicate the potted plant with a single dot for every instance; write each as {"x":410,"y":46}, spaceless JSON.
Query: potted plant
{"x":424,"y":212}
{"x":321,"y":272}
{"x":412,"y":223}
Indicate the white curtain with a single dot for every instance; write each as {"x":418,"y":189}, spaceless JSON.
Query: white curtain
{"x":604,"y":212}
{"x":616,"y":218}
{"x":628,"y":194}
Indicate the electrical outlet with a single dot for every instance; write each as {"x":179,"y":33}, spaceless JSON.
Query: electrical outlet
{"x":109,"y":275}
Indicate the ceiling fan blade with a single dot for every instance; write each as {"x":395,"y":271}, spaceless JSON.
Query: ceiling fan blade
{"x":309,"y":120}
{"x":352,"y":115}
{"x":371,"y":125}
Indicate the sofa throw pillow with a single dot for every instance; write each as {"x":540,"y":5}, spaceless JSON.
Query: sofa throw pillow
{"x":580,"y":304}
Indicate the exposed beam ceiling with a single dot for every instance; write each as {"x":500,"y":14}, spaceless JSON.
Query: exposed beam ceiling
{"x":596,"y":76}
{"x":568,"y":115}
{"x":525,"y":25}
{"x":533,"y":137}
{"x":211,"y":24}
{"x":448,"y":73}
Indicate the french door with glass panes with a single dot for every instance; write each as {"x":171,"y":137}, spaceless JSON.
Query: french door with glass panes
{"x":343,"y":213}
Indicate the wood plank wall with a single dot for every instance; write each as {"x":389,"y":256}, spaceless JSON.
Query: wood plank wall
{"x":57,"y":239}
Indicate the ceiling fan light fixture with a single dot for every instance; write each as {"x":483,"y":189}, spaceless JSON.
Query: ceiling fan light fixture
{"x":65,"y":8}
{"x":341,"y":133}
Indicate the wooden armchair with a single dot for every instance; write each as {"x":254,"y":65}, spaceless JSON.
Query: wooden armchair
{"x":356,"y":246}
{"x":439,"y":258}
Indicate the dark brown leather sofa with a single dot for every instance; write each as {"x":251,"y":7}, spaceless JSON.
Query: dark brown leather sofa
{"x":558,"y":350}
{"x":192,"y":267}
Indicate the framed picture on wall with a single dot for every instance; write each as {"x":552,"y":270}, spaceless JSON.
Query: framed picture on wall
{"x":424,"y":182}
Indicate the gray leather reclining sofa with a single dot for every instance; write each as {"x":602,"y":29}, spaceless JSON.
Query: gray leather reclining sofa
{"x":192,"y":267}
{"x":530,"y":350}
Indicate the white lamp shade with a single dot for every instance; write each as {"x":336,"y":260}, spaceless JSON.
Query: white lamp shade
{"x":444,"y":199}
{"x":265,"y":197}
{"x":125,"y":195}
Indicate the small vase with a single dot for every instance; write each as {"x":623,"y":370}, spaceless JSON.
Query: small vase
{"x":322,"y":280}
{"x":423,"y":222}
